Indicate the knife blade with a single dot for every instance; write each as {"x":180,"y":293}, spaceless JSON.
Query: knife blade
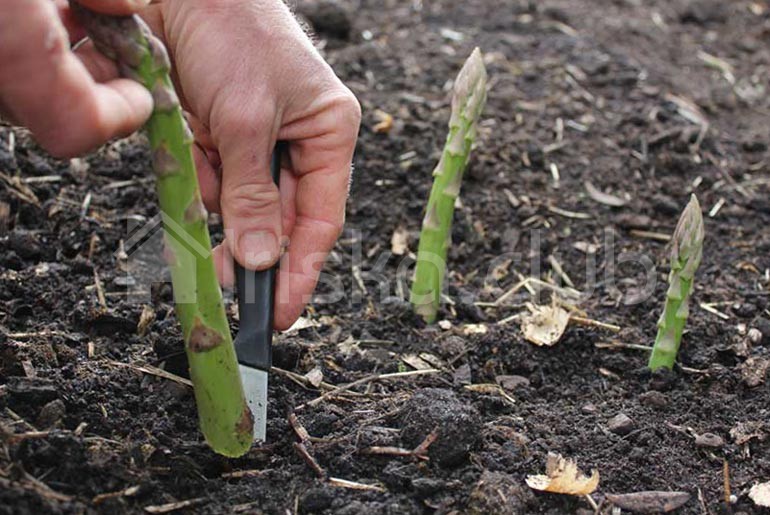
{"x":253,"y":344}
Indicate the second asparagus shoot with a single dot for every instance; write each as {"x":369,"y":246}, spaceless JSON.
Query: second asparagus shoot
{"x":685,"y":257}
{"x":468,"y":101}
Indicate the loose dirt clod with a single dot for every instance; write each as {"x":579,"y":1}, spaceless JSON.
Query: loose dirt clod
{"x":458,"y":425}
{"x":500,"y":494}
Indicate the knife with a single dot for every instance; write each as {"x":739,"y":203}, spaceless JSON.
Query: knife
{"x":254,"y":343}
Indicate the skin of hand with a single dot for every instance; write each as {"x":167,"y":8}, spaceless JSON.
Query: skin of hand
{"x":248,"y":76}
{"x":72,"y":101}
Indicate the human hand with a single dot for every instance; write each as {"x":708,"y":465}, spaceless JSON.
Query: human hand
{"x":248,"y":76}
{"x":72,"y":101}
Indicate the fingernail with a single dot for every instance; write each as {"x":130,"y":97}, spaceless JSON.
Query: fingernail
{"x":140,"y":3}
{"x":259,"y":249}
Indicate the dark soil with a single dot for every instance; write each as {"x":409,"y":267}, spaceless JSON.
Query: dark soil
{"x":598,"y":88}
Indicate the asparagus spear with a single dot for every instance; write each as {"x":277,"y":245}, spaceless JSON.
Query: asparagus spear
{"x":468,"y":101}
{"x":225,"y":419}
{"x":685,"y":257}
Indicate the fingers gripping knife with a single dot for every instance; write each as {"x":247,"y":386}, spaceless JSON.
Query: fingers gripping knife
{"x":253,"y":345}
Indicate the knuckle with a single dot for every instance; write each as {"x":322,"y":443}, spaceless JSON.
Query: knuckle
{"x":247,"y":200}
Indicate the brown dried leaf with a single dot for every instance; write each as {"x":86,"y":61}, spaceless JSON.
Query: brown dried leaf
{"x":544,"y":325}
{"x":315,"y":377}
{"x":563,"y":477}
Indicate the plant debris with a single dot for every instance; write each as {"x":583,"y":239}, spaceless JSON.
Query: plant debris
{"x":544,"y":325}
{"x":563,"y":477}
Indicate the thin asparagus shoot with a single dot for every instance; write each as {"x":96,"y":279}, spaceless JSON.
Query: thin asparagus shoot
{"x":225,"y":419}
{"x":468,"y":99}
{"x":686,"y":253}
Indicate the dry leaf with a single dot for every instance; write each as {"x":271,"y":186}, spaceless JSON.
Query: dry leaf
{"x":416,"y":362}
{"x":544,"y":325}
{"x":315,"y":377}
{"x":399,"y":242}
{"x":760,"y":494}
{"x":301,"y":323}
{"x":745,"y":431}
{"x":753,"y":371}
{"x":563,"y":477}
{"x":384,"y":122}
{"x":490,"y":389}
{"x":604,"y":198}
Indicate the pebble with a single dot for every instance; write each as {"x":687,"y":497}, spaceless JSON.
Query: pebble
{"x":709,"y":440}
{"x":451,"y":346}
{"x":589,"y":409}
{"x":762,"y":324}
{"x":654,"y":399}
{"x":621,"y":424}
{"x":511,"y":383}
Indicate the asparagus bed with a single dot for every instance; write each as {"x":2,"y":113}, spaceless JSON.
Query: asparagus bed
{"x":225,"y":419}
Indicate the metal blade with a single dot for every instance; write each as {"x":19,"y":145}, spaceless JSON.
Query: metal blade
{"x":255,"y":388}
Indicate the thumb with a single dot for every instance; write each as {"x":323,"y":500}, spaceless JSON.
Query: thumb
{"x":250,"y":202}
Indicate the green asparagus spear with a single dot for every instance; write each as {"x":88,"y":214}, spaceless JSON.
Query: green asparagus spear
{"x":225,"y":419}
{"x":468,"y":101}
{"x":685,"y":257}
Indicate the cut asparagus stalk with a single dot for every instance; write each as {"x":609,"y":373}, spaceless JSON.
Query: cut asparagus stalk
{"x":225,"y":419}
{"x":687,"y":249}
{"x":468,"y":101}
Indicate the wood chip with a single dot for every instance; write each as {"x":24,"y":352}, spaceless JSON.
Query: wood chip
{"x":650,"y":501}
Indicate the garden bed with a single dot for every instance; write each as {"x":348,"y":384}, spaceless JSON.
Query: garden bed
{"x":635,"y":99}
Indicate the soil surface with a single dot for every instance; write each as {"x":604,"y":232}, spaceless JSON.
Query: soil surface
{"x":646,"y":101}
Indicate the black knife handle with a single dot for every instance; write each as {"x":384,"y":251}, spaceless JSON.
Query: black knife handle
{"x":256,"y":302}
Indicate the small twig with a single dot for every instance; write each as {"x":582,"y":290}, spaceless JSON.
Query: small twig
{"x":99,"y":290}
{"x":126,"y":492}
{"x":238,"y":474}
{"x":420,"y":452}
{"x":301,"y":447}
{"x":155,"y":371}
{"x":365,"y":380}
{"x":174,"y":506}
{"x":621,"y":345}
{"x":344,"y":483}
{"x":711,"y":309}
{"x":726,"y":480}
{"x":301,"y":380}
{"x":650,"y":235}
{"x":588,"y":322}
{"x":556,"y":266}
{"x":309,"y":459}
